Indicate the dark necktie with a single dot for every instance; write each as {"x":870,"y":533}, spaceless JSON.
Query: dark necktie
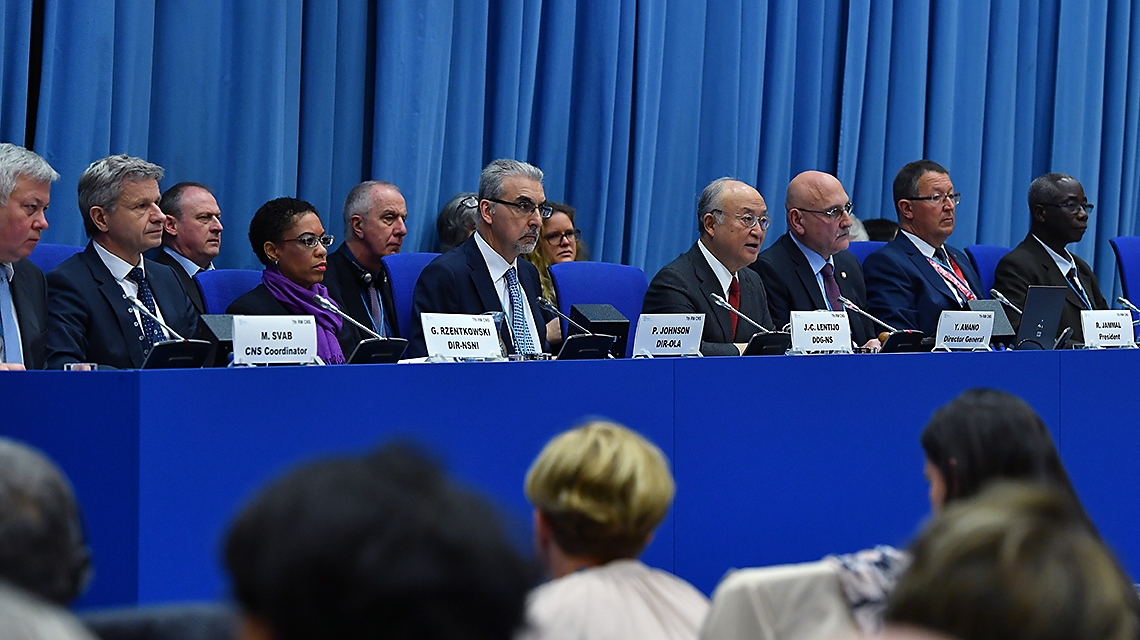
{"x":377,"y":309}
{"x":830,"y":287}
{"x":151,"y":331}
{"x":734,"y":300}
{"x":1075,"y":282}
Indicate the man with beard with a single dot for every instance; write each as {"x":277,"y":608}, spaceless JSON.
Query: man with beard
{"x":484,"y":273}
{"x":1059,"y":214}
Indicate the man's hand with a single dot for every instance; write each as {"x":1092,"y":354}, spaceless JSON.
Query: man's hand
{"x":7,"y":366}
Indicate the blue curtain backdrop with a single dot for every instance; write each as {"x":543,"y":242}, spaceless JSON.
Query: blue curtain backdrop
{"x":630,"y":106}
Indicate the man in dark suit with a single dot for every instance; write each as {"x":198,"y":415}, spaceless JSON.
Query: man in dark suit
{"x":809,"y":267}
{"x":375,"y":216}
{"x":89,"y":317}
{"x":917,"y":276}
{"x":733,"y":218}
{"x":25,"y":192}
{"x":1059,"y":214}
{"x":191,"y":235}
{"x":484,"y":273}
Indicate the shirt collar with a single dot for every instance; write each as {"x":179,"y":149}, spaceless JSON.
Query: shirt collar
{"x":1064,"y":262}
{"x":189,"y":265}
{"x":496,"y":265}
{"x":923,"y":246}
{"x":118,"y":267}
{"x":815,"y":261}
{"x":7,"y":271}
{"x":723,"y":275}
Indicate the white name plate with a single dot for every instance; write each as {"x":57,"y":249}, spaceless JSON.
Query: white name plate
{"x":1108,"y":329}
{"x":668,"y":334}
{"x":456,"y":335}
{"x":821,"y":332}
{"x":275,"y":339}
{"x":964,"y":330}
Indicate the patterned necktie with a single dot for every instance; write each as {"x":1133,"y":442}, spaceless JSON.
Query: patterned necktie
{"x":10,"y":349}
{"x":377,"y":309}
{"x":151,"y":331}
{"x":523,"y":342}
{"x":734,"y":300}
{"x":831,"y":287}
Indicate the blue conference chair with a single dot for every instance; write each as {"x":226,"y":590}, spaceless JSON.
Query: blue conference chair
{"x":865,"y":248}
{"x":404,"y":269}
{"x":47,"y":256}
{"x":601,"y":283}
{"x":1127,"y":249}
{"x":985,"y":258}
{"x":220,"y":287}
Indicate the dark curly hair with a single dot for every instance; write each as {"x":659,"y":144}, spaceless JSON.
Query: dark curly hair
{"x":272,"y":220}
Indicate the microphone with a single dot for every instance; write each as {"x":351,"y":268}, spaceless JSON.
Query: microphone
{"x":721,"y":302}
{"x":1131,"y":307}
{"x":1062,"y":338}
{"x":847,"y":304}
{"x":1000,"y":298}
{"x":549,"y":306}
{"x":142,"y":307}
{"x":328,"y":305}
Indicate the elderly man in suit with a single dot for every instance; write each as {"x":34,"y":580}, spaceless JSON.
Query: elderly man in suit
{"x":733,"y":218}
{"x":191,"y":235}
{"x":809,"y":267}
{"x":89,"y":316}
{"x":484,"y":273}
{"x":1059,"y":214}
{"x":917,"y":276}
{"x":25,"y":192}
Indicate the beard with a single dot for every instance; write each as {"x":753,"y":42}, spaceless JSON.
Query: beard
{"x":526,"y":244}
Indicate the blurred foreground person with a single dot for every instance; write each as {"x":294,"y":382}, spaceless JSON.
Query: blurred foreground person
{"x":25,"y":617}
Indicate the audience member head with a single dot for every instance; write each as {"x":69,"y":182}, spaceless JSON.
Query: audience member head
{"x":559,"y":241}
{"x":382,"y":546}
{"x":512,"y":204}
{"x":193,"y":226}
{"x":25,"y":193}
{"x":985,"y":435}
{"x":456,"y":221}
{"x":819,"y":211}
{"x":287,"y":233}
{"x":118,"y":197}
{"x":1058,"y":210}
{"x":375,"y":222}
{"x":25,"y":617}
{"x":881,"y":229}
{"x":1017,"y":562}
{"x":926,"y":201}
{"x":41,"y":539}
{"x":733,"y":218}
{"x":599,"y":492}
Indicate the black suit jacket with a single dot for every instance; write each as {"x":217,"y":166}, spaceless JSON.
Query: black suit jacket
{"x":1030,"y":264}
{"x":684,"y":286}
{"x":160,"y":256}
{"x":260,"y":302}
{"x":90,"y":321}
{"x":343,"y":279}
{"x":904,"y":291}
{"x":791,"y":285}
{"x":459,"y":282}
{"x":29,"y":297}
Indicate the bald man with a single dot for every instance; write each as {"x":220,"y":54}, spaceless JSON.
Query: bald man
{"x":809,"y":267}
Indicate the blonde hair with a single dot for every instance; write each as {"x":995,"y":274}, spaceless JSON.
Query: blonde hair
{"x":538,"y":256}
{"x":602,"y":488}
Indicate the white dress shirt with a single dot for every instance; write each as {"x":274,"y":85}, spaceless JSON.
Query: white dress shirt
{"x":497,"y":267}
{"x":119,"y":269}
{"x":723,"y":275}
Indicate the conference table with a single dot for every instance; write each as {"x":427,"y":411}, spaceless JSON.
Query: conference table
{"x":777,"y":459}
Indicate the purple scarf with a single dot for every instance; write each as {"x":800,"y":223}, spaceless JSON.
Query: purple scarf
{"x":299,"y":300}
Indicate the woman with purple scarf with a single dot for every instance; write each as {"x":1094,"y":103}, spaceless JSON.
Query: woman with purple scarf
{"x":289,"y":239}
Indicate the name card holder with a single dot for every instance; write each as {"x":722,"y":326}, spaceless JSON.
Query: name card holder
{"x":964,"y":331}
{"x":275,"y":340}
{"x":668,"y":334}
{"x":461,"y":337}
{"x":817,"y":332}
{"x":1108,"y":329}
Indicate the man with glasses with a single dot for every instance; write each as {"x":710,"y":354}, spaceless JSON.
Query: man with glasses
{"x":917,"y":276}
{"x":733,"y":219}
{"x":375,"y":217}
{"x":1058,"y":214}
{"x":89,"y":317}
{"x":809,"y":267}
{"x":484,"y":273}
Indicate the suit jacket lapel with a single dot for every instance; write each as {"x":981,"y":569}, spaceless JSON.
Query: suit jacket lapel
{"x":1055,"y":277}
{"x":923,"y":264}
{"x":805,"y":274}
{"x":708,"y":286}
{"x":115,"y":298}
{"x":481,"y":277}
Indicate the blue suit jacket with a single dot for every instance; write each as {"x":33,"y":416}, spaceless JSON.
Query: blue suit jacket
{"x":458,"y":282}
{"x":904,"y":291}
{"x":89,"y":320}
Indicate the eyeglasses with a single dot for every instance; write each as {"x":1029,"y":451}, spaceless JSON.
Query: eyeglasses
{"x":938,"y":198}
{"x":557,"y":237}
{"x":311,"y":241}
{"x":747,"y":219}
{"x":832,"y":213}
{"x":1071,"y":207}
{"x":525,"y":207}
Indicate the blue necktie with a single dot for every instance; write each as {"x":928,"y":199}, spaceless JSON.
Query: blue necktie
{"x":523,"y":342}
{"x":151,"y":331}
{"x":10,"y":350}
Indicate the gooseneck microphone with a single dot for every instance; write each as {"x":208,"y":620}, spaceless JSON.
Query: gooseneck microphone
{"x":549,"y":306}
{"x":1000,"y":298}
{"x":1131,"y":307}
{"x":142,"y":308}
{"x":1060,"y":342}
{"x":847,"y":304}
{"x":328,"y":305}
{"x":721,"y":302}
